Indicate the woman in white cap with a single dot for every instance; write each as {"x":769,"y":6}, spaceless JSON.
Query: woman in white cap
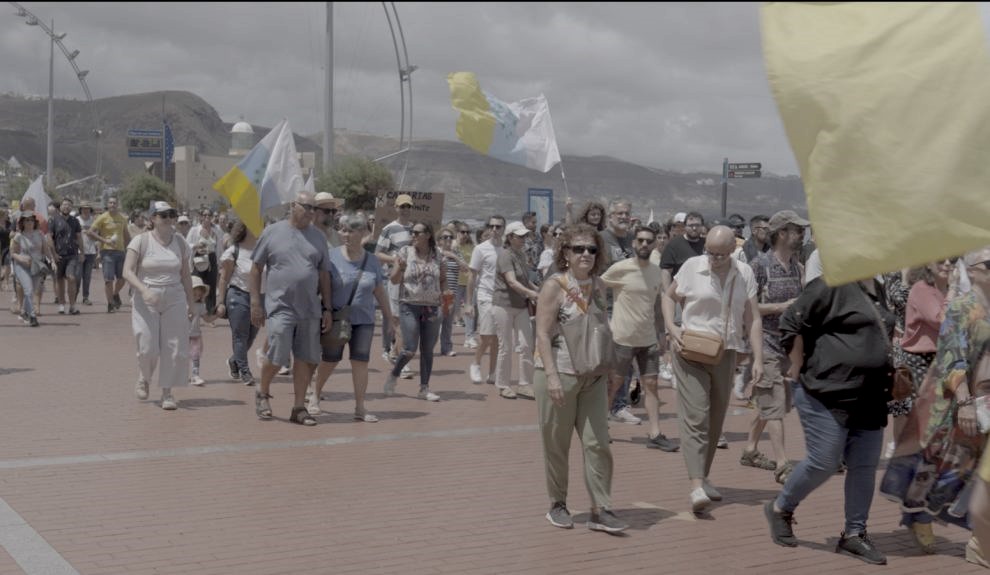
{"x":157,"y":268}
{"x":512,"y":297}
{"x":28,"y":249}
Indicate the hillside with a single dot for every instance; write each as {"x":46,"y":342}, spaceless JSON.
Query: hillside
{"x":475,"y":185}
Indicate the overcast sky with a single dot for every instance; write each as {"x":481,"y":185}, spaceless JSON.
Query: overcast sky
{"x":671,"y":86}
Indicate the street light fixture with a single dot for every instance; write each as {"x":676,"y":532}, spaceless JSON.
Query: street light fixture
{"x":32,"y":20}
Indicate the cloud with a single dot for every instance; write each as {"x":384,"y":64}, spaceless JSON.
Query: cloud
{"x":673,"y":86}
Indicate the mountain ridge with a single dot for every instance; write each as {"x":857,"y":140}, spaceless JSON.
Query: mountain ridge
{"x":474,"y":184}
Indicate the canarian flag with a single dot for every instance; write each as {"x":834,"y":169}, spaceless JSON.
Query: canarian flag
{"x":887,"y":109}
{"x":36,"y":191}
{"x":267,"y":177}
{"x":517,"y":132}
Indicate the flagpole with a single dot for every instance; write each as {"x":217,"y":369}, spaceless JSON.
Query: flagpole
{"x":164,"y":177}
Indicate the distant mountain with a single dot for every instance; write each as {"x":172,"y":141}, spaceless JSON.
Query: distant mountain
{"x":475,"y":185}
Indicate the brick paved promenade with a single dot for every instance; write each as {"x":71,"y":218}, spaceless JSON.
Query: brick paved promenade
{"x":94,"y":481}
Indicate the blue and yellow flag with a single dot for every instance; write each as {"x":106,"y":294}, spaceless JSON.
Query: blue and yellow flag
{"x":517,"y":132}
{"x":268,"y":176}
{"x":887,"y":109}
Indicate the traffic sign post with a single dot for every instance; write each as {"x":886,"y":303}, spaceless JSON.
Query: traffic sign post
{"x":738,"y":170}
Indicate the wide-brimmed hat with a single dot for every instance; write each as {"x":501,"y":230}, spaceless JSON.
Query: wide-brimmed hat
{"x":326,"y":200}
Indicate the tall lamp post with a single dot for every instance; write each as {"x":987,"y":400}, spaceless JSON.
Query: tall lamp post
{"x":32,"y":20}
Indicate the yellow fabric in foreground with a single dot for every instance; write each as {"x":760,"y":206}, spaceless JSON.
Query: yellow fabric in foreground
{"x":887,"y":109}
{"x":244,"y":198}
{"x":476,"y":124}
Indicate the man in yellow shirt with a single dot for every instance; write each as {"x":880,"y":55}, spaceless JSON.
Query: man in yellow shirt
{"x":109,"y":231}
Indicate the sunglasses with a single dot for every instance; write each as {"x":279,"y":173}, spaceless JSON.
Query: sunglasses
{"x":591,"y":250}
{"x":464,"y":231}
{"x":168,"y":215}
{"x":327,"y":211}
{"x":306,"y":207}
{"x":645,"y":240}
{"x":495,"y":227}
{"x":446,"y":237}
{"x":405,"y":207}
{"x":558,"y":234}
{"x":950,"y":260}
{"x":985,"y":264}
{"x":716,"y":256}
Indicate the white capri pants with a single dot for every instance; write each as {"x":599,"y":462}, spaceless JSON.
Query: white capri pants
{"x":162,"y":336}
{"x":509,"y":322}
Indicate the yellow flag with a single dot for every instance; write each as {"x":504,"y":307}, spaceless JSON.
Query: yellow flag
{"x":887,"y":109}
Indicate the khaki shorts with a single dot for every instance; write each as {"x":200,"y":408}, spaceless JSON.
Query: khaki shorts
{"x":772,"y":395}
{"x":648,"y":359}
{"x":486,"y":319}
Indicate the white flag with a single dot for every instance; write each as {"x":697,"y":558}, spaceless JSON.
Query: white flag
{"x":310,"y":184}
{"x":36,"y":191}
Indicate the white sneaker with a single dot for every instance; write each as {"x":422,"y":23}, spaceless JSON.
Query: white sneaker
{"x":313,"y":405}
{"x":428,"y":395}
{"x":624,"y":416}
{"x":710,"y":490}
{"x":141,"y":389}
{"x":475,"y":372}
{"x":665,"y":372}
{"x":287,"y":370}
{"x":196,"y":380}
{"x":739,"y":386}
{"x":723,"y":443}
{"x":387,"y":357}
{"x":406,"y":373}
{"x":390,"y":382}
{"x":699,"y":500}
{"x":61,"y":309}
{"x":168,"y":402}
{"x":471,"y":343}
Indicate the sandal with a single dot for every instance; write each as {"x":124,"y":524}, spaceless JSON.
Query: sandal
{"x":301,"y":416}
{"x":757,"y":460}
{"x":365,"y":417}
{"x":261,"y":406}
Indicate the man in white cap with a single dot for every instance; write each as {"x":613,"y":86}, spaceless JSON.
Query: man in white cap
{"x":183,"y":225}
{"x":394,"y":236}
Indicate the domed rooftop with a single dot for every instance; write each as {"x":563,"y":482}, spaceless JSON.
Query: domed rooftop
{"x":242,"y":128}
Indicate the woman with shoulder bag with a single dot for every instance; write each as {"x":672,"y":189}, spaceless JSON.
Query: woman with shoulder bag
{"x":28,"y":249}
{"x":235,"y":300}
{"x":357,"y":282}
{"x":157,"y":268}
{"x":421,"y":276}
{"x":511,"y":299}
{"x":568,"y":400}
{"x":717,"y":294}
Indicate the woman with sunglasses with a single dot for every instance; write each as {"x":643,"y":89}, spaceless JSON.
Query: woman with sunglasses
{"x":157,"y":267}
{"x":420,"y":274}
{"x":938,"y":457}
{"x":455,"y":262}
{"x":28,"y":249}
{"x":511,"y":299}
{"x":566,"y":402}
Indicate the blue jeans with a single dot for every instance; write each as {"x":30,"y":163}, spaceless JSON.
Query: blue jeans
{"x":420,"y":326}
{"x":89,"y":262}
{"x":29,"y":284}
{"x":827,"y":443}
{"x":242,"y":332}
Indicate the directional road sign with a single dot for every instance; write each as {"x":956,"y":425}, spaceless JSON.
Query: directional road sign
{"x":744,"y":173}
{"x":745,"y":167}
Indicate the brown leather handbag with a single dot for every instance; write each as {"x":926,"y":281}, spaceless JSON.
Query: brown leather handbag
{"x":704,"y":347}
{"x":903,"y":384}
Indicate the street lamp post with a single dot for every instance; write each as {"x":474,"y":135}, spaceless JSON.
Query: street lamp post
{"x":32,"y":20}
